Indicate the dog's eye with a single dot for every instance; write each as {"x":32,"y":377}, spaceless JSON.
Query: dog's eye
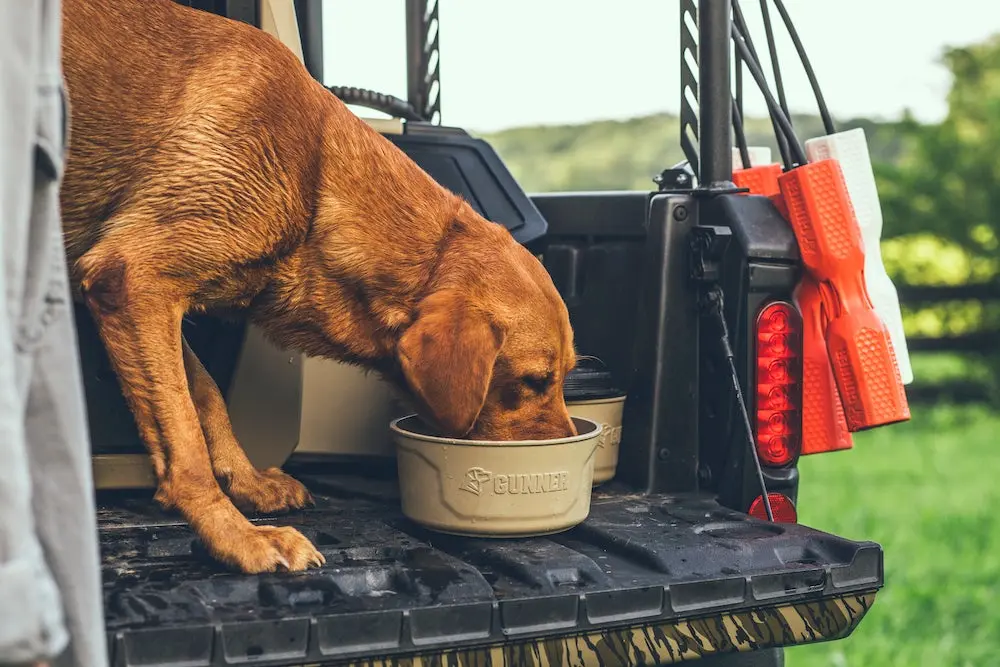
{"x":537,"y":383}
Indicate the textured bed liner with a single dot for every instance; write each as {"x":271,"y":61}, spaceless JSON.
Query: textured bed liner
{"x":391,"y":588}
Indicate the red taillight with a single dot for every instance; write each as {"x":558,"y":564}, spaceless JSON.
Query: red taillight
{"x":782,"y":508}
{"x":779,"y":384}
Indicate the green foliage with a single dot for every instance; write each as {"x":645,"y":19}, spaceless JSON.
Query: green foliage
{"x":948,"y":183}
{"x":625,"y":155}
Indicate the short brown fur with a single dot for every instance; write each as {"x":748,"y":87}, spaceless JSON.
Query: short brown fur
{"x":209,"y":172}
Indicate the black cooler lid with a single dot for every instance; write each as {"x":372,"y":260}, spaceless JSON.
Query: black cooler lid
{"x":590,"y":380}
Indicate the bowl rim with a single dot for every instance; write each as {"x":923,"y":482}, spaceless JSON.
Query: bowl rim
{"x":596,"y":401}
{"x":595,"y":433}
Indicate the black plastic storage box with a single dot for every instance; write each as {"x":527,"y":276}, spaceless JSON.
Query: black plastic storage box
{"x":470,"y":167}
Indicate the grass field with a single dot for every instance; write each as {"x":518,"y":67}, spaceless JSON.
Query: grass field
{"x":929,"y":492}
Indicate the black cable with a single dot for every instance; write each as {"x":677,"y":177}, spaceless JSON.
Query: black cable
{"x":738,"y":131}
{"x":715,"y":304}
{"x":739,"y":86}
{"x":389,"y":104}
{"x":798,"y":156}
{"x":772,"y":50}
{"x":740,"y":24}
{"x":741,"y":137}
{"x":824,"y":112}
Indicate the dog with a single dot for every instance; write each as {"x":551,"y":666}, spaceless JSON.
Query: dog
{"x":209,"y":172}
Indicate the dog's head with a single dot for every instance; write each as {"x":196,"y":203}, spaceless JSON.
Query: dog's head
{"x":487,"y":355}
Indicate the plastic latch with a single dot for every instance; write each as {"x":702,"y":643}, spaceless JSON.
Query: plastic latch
{"x":824,"y":425}
{"x":850,"y":149}
{"x":859,"y":345}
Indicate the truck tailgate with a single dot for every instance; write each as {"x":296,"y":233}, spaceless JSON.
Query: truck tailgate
{"x":646,"y":579}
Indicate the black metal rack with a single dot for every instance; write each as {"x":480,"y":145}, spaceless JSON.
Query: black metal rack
{"x":423,"y":59}
{"x":706,"y":100}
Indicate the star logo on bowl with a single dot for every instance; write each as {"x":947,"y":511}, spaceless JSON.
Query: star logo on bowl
{"x":611,"y":436}
{"x":474,"y":479}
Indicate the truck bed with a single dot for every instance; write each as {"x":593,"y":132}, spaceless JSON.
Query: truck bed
{"x":649,"y":579}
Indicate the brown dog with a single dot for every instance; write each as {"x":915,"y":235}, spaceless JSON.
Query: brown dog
{"x":209,"y":172}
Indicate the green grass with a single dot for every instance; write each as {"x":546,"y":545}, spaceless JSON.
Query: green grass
{"x":929,"y":492}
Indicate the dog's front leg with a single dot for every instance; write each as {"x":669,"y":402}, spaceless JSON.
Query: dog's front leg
{"x":139,"y":320}
{"x":252,"y":490}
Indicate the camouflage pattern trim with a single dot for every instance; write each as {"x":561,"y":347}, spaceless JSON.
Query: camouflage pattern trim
{"x":660,"y":643}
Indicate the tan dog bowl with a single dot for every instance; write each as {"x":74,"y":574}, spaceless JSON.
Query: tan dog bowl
{"x":496,"y":489}
{"x":608,"y":413}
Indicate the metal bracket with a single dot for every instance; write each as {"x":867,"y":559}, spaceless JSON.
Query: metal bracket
{"x":708,"y":245}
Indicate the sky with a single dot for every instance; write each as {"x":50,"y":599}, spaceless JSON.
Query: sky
{"x":507,"y":63}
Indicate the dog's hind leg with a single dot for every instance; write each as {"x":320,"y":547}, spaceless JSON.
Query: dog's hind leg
{"x":268,"y":491}
{"x":138,"y":312}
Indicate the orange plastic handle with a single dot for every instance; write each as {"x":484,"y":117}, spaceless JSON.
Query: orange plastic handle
{"x":760,"y":180}
{"x":824,"y":425}
{"x":829,"y":238}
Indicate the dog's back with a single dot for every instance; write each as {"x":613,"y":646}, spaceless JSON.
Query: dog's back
{"x":170,"y":106}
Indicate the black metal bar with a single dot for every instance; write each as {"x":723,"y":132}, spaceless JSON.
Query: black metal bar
{"x":976,"y":341}
{"x":962,"y":392}
{"x":309,"y":15}
{"x":715,"y":97}
{"x":415,"y":10}
{"x":914,"y":295}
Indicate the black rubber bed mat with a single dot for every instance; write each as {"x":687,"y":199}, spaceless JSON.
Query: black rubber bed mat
{"x":665,"y":577}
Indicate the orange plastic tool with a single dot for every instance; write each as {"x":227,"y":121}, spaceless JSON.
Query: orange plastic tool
{"x":760,"y":180}
{"x":829,"y":238}
{"x":824,"y":426}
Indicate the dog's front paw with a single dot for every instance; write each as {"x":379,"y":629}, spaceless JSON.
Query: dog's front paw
{"x":270,"y":491}
{"x":272,"y":549}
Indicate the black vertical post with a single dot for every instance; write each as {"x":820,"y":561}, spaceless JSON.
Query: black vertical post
{"x":415,"y":36}
{"x":309,"y":15}
{"x":714,"y":94}
{"x":241,"y":10}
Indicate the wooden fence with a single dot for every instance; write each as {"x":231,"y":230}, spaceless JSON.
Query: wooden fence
{"x":974,"y":343}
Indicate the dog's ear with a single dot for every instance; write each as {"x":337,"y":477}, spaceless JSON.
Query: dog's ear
{"x":447,"y":357}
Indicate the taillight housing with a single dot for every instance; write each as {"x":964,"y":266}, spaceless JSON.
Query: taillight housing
{"x":778,"y":403}
{"x":782,"y":508}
